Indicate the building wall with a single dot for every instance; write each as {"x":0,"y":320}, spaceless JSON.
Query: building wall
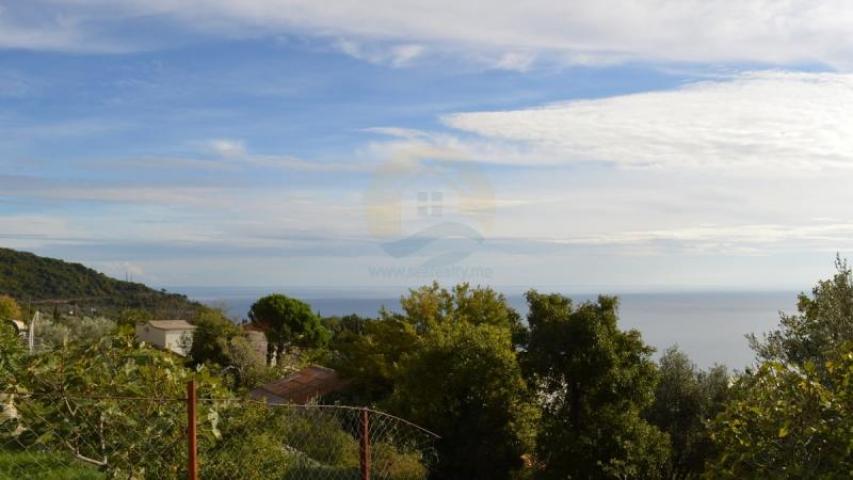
{"x":148,"y":334}
{"x":165,"y":339}
{"x":174,"y":341}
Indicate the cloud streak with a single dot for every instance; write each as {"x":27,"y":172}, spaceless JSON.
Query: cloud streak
{"x":759,"y":122}
{"x":582,"y":32}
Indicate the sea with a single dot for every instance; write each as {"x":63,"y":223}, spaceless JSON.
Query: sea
{"x":711,"y":327}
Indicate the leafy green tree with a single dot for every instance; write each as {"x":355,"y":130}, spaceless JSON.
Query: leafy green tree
{"x":373,"y":357}
{"x":465,"y":384}
{"x":287,"y":322}
{"x":447,"y":362}
{"x":790,"y":417}
{"x":212,"y":335}
{"x":429,"y":306}
{"x":9,"y":309}
{"x":595,"y":380}
{"x":347,"y":324}
{"x":249,"y":366}
{"x":823,"y":324}
{"x":686,"y":399}
{"x":371,"y":352}
{"x":788,"y":422}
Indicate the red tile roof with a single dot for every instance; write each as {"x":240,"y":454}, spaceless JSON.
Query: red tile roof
{"x":301,"y":387}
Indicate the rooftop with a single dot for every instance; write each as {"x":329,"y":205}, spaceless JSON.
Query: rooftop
{"x":171,"y":325}
{"x":301,"y":387}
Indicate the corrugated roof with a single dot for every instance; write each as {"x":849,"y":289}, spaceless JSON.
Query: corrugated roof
{"x":301,"y":387}
{"x":171,"y":324}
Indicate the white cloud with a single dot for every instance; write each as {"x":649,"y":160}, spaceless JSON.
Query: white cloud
{"x":762,"y":31}
{"x":394,"y":55}
{"x":38,"y":26}
{"x":517,"y":61}
{"x":764,"y":122}
{"x":760,"y":238}
{"x":234,"y":154}
{"x":227,"y":148}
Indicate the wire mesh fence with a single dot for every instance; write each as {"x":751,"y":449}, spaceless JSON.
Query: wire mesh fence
{"x":59,"y":437}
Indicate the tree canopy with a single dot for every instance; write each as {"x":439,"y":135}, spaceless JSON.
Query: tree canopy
{"x":790,"y":416}
{"x":464,"y":382}
{"x":595,"y":380}
{"x":686,"y":399}
{"x":9,"y":309}
{"x":287,"y":322}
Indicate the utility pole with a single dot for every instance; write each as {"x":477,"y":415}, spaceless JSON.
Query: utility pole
{"x":192,"y":445}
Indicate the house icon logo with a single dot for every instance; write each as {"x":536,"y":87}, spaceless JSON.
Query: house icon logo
{"x":434,"y":210}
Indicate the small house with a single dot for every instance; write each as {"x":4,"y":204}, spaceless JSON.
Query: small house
{"x":172,"y":335}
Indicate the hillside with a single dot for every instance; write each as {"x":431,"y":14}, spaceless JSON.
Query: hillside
{"x":47,"y":281}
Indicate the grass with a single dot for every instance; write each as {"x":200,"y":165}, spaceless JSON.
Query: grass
{"x":24,"y":465}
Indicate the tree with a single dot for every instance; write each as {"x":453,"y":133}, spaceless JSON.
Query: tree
{"x":287,"y":322}
{"x":594,"y":381}
{"x":371,"y":352}
{"x":211,"y":337}
{"x":465,"y":384}
{"x":447,"y":362}
{"x":372,"y":358}
{"x":9,"y":309}
{"x":790,"y":417}
{"x":348,"y":324}
{"x":787,"y":422}
{"x":432,"y":305}
{"x":823,"y":324}
{"x":248,"y":364}
{"x":686,"y":399}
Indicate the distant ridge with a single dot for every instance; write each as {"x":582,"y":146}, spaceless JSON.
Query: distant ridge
{"x":39,"y":280}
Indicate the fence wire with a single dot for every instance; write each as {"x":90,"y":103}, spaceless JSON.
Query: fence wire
{"x":54,"y":437}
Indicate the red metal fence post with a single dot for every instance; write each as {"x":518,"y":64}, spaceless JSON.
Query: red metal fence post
{"x":192,"y":473}
{"x":365,"y":444}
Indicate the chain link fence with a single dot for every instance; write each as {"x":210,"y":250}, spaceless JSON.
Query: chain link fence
{"x":49,"y":437}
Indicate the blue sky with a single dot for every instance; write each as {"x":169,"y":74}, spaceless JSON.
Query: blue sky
{"x":611,"y":146}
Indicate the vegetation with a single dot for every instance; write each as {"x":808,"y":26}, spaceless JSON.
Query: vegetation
{"x":465,"y":382}
{"x":9,"y":308}
{"x":28,"y":465}
{"x":792,"y":416}
{"x":686,"y":399}
{"x":223,"y":346}
{"x":595,"y":382}
{"x":566,"y":394}
{"x":33,"y":279}
{"x":786,"y":422}
{"x":287,"y":322}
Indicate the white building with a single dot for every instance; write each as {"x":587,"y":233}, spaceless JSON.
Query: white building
{"x":172,"y":335}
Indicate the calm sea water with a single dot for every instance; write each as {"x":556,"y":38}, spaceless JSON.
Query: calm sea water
{"x":709,"y":326}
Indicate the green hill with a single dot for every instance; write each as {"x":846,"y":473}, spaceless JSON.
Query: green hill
{"x":34,"y":280}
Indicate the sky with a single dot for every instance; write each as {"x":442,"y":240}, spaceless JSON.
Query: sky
{"x":605,"y":145}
